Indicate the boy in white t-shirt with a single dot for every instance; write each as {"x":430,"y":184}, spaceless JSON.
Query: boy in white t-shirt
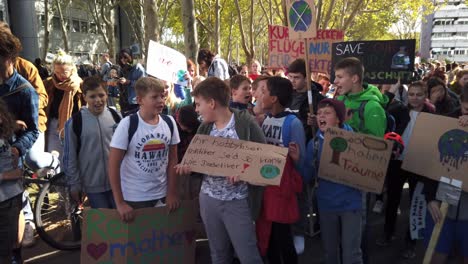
{"x":143,"y":154}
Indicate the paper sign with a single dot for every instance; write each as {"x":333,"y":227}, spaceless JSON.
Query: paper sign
{"x":418,"y":212}
{"x":384,"y":61}
{"x":356,"y":160}
{"x":301,"y":19}
{"x":155,"y":236}
{"x":283,"y":51}
{"x":438,"y":148}
{"x":259,"y":164}
{"x":165,"y":63}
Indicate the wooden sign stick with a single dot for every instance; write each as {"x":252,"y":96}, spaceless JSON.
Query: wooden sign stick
{"x":435,"y":234}
{"x":309,"y":83}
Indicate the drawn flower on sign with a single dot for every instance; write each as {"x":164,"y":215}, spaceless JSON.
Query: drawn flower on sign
{"x":338,"y":145}
{"x":453,"y":148}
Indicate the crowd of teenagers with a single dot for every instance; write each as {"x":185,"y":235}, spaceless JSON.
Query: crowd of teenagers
{"x":129,"y":156}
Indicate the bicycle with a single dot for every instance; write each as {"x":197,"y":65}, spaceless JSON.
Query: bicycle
{"x":57,"y":217}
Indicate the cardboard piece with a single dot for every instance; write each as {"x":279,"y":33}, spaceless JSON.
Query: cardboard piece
{"x":259,"y":164}
{"x":356,"y":160}
{"x":155,"y":236}
{"x":301,"y":18}
{"x":438,"y":147}
{"x":384,"y":61}
{"x":165,"y":63}
{"x":282,"y":50}
{"x":417,"y":213}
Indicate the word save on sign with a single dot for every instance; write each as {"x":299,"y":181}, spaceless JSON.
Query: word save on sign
{"x":165,"y":63}
{"x":154,"y":236}
{"x":256,"y":163}
{"x":356,"y":160}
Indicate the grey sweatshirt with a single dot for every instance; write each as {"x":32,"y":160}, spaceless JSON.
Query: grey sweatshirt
{"x":87,"y":170}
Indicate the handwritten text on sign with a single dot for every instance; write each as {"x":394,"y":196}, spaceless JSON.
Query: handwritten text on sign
{"x":283,"y":50}
{"x":165,"y":63}
{"x":256,"y":163}
{"x":356,"y":160}
{"x":153,"y":237}
{"x":443,"y":151}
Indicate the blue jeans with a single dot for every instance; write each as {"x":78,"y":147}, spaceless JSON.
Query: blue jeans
{"x":101,"y":200}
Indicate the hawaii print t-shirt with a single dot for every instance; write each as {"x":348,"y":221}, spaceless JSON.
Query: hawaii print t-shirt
{"x":143,"y":172}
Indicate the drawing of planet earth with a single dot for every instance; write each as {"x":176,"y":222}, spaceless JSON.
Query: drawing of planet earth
{"x":300,"y":16}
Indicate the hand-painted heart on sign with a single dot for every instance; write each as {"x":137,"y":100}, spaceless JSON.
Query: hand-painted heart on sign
{"x":96,"y":251}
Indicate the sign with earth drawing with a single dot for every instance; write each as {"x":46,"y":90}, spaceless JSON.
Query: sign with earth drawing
{"x":355,"y":160}
{"x":301,"y":19}
{"x":258,"y":164}
{"x":443,"y":152}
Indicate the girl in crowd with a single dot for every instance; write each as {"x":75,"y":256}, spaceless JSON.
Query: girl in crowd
{"x":131,"y":71}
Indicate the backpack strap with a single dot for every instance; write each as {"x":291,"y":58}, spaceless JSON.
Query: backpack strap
{"x":286,"y":134}
{"x":361,"y":109}
{"x":115,"y":115}
{"x":132,"y":128}
{"x":17,"y":90}
{"x":168,"y":120}
{"x":77,"y":126}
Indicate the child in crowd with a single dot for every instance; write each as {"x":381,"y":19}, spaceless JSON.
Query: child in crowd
{"x":241,"y":92}
{"x":11,"y":188}
{"x":280,"y":208}
{"x":340,"y":207}
{"x":143,"y":154}
{"x":90,"y":131}
{"x":257,"y":87}
{"x":228,"y":206}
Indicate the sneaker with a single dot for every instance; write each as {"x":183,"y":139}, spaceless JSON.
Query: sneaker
{"x":299,"y":243}
{"x":378,"y":207}
{"x":399,"y":211}
{"x":409,"y":253}
{"x":385,"y":241}
{"x":28,"y":237}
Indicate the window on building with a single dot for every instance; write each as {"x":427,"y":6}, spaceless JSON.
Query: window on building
{"x":92,"y":28}
{"x":84,"y":27}
{"x":56,"y":23}
{"x":76,"y":25}
{"x":460,"y":52}
{"x":1,"y":16}
{"x":41,"y":20}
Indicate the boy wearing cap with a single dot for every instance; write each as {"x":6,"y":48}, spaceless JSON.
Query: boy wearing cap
{"x":340,"y":207}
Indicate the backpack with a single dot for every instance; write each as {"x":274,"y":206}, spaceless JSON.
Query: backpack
{"x":77,"y":125}
{"x":132,"y":128}
{"x":286,"y":134}
{"x":391,"y":122}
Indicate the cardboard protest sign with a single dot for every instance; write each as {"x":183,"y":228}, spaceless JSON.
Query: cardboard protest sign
{"x":384,"y":61}
{"x":283,"y":50}
{"x":438,"y":148}
{"x":356,"y":160}
{"x":165,"y":63}
{"x":259,"y":164}
{"x":155,"y":236}
{"x":301,"y":18}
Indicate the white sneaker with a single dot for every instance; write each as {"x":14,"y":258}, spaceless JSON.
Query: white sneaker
{"x":28,"y":237}
{"x":378,"y":207}
{"x":399,"y":211}
{"x":299,"y":244}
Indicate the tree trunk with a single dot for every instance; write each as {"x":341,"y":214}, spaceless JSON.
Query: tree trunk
{"x":217,"y":31}
{"x":151,"y":14}
{"x":63,"y":27}
{"x":190,"y":29}
{"x":45,"y":45}
{"x":229,"y":48}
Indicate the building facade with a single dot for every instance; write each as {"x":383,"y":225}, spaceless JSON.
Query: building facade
{"x":27,"y":21}
{"x":444,"y":34}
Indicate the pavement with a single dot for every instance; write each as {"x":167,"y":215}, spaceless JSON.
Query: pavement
{"x":42,"y":253}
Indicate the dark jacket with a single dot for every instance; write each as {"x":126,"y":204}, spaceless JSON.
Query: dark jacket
{"x":399,"y":111}
{"x":247,"y":129}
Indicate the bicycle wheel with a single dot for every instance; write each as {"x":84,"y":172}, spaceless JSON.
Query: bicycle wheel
{"x":58,"y":222}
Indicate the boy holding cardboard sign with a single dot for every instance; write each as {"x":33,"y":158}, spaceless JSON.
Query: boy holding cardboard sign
{"x":340,"y":207}
{"x":228,"y":206}
{"x":143,"y":154}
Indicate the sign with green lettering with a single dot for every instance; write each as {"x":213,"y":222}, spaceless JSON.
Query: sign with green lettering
{"x":258,"y":164}
{"x":155,"y":236}
{"x":356,"y":160}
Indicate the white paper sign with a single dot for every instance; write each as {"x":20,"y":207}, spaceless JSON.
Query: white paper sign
{"x":165,"y":63}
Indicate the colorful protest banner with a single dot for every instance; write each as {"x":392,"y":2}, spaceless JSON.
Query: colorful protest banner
{"x":165,"y":63}
{"x":283,"y":50}
{"x":301,"y":19}
{"x":384,"y":61}
{"x":154,"y":236}
{"x":438,"y":148}
{"x":259,"y":164}
{"x":356,"y":160}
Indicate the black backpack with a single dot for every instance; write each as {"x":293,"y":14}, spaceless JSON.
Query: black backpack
{"x":391,"y":122}
{"x":132,"y":128}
